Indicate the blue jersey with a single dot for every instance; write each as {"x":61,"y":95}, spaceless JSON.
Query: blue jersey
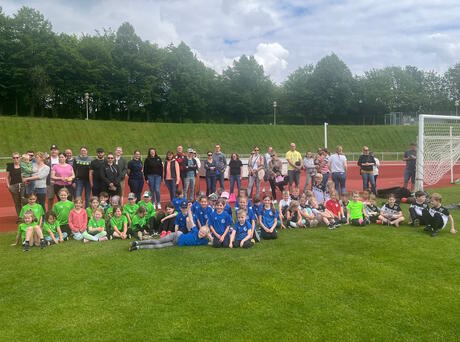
{"x":228,"y":210}
{"x":249,"y":217}
{"x":268,"y":217}
{"x":237,"y":204}
{"x":220,"y":222}
{"x":258,"y":209}
{"x":191,"y":239}
{"x":181,"y":222}
{"x":177,"y":201}
{"x":203,"y":215}
{"x":242,"y":231}
{"x":195,"y":207}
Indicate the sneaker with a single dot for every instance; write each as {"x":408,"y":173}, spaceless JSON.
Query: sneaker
{"x":256,"y":237}
{"x":428,"y":228}
{"x":416,"y":223}
{"x":104,"y":238}
{"x":163,"y":234}
{"x":25,"y":246}
{"x":155,"y":234}
{"x":434,"y":233}
{"x":168,"y":232}
{"x":43,"y":244}
{"x":337,"y":225}
{"x":134,"y":244}
{"x":378,"y":222}
{"x":85,"y":240}
{"x":314,"y":223}
{"x":133,"y":248}
{"x":159,"y":206}
{"x":331,"y":226}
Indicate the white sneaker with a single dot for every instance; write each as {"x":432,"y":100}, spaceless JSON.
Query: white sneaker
{"x":275,"y":201}
{"x":159,"y":206}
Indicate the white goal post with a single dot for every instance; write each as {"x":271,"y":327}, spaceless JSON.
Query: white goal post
{"x":438,"y":148}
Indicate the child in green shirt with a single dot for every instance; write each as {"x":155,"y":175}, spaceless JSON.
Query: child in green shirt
{"x":130,"y":208}
{"x":119,"y":224}
{"x":95,"y":230}
{"x":93,"y":205}
{"x":33,"y":206}
{"x":62,"y":209}
{"x":151,"y":213}
{"x":139,"y":224}
{"x":357,"y":214}
{"x":51,"y":229}
{"x":28,"y":230}
{"x":27,"y":170}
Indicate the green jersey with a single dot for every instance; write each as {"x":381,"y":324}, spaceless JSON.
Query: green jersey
{"x":130,"y":209}
{"x":93,"y":223}
{"x":22,"y":228}
{"x":150,"y":209}
{"x":48,"y":227}
{"x":355,"y":209}
{"x":118,"y":222}
{"x":36,"y":208}
{"x":138,"y":222}
{"x":62,"y":210}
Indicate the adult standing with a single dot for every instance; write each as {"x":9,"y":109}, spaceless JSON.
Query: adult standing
{"x":95,"y":172}
{"x":375,"y":168}
{"x":171,"y":174}
{"x":111,"y":176}
{"x":275,"y":176}
{"x":221,"y":163}
{"x":267,"y":159}
{"x":52,"y":160}
{"x":210,"y":166}
{"x":14,"y":182}
{"x":366,"y":163}
{"x":153,"y":172}
{"x":197,"y":179}
{"x":81,"y":165}
{"x":293,"y":159}
{"x":338,"y":166}
{"x":41,"y":173}
{"x":135,"y":175}
{"x":235,"y":166}
{"x":255,"y":164}
{"x":62,"y":175}
{"x":410,"y":157}
{"x":179,"y":157}
{"x":69,"y":159}
{"x":190,"y":168}
{"x":122,"y":164}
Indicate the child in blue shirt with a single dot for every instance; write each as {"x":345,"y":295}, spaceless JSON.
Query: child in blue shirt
{"x":241,"y":232}
{"x":250,"y":216}
{"x":180,"y":223}
{"x":203,"y":212}
{"x":178,"y":200}
{"x":268,"y":220}
{"x":220,"y":223}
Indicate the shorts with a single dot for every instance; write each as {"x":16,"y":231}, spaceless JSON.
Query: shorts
{"x":50,"y":191}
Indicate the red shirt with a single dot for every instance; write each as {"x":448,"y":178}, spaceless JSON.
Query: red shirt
{"x":78,"y":221}
{"x":334,"y":206}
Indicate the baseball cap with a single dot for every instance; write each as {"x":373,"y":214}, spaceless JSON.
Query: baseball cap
{"x":99,"y":149}
{"x":146,"y":194}
{"x":184,"y":205}
{"x":212,"y":197}
{"x":53,"y":147}
{"x":131,"y":195}
{"x":225,"y":195}
{"x":190,"y":150}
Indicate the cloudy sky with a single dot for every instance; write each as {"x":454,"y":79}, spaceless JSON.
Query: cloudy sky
{"x":282,"y":35}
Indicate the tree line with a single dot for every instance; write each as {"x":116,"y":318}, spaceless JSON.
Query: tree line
{"x":46,"y":74}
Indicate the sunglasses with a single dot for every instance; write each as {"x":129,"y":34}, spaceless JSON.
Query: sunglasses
{"x":109,"y":157}
{"x":256,"y":150}
{"x":209,"y":155}
{"x":15,"y":157}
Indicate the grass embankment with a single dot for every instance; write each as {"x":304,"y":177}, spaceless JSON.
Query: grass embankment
{"x":373,"y":283}
{"x":20,"y":134}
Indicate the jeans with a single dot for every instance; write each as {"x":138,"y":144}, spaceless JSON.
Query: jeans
{"x":339,"y":179}
{"x":409,"y":174}
{"x":77,"y":236}
{"x":221,"y":178}
{"x":83,"y":184}
{"x":368,"y":177}
{"x":189,"y":183}
{"x":154,"y":186}
{"x":136,"y":186}
{"x":210,"y":185}
{"x":235,"y":179}
{"x":171,"y":185}
{"x":251,"y":185}
{"x":41,"y":197}
{"x":325,"y":179}
{"x":50,"y":239}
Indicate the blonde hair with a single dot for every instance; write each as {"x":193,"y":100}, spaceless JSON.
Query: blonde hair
{"x":78,"y":200}
{"x":437,"y":197}
{"x":205,"y":229}
{"x":242,"y":212}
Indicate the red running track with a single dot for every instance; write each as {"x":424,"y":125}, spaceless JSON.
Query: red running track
{"x":390,"y":174}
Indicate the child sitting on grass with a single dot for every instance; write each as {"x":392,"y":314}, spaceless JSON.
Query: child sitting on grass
{"x":294,"y":216}
{"x":151,"y":213}
{"x":372,"y":210}
{"x":33,"y":206}
{"x":437,"y":216}
{"x":139,"y":224}
{"x":391,"y":213}
{"x":306,"y":211}
{"x":269,"y":219}
{"x":250,"y":216}
{"x":416,"y":209}
{"x":27,"y":230}
{"x":242,"y":231}
{"x":322,"y":214}
{"x":357,"y":215}
{"x":167,"y":223}
{"x":220,"y":223}
{"x":62,"y":210}
{"x":177,"y":201}
{"x":93,"y":205}
{"x":283,"y":207}
{"x":194,"y":237}
{"x":118,"y":224}
{"x":334,"y":207}
{"x":96,"y":227}
{"x":78,"y":220}
{"x":130,"y":208}
{"x":104,"y":201}
{"x":318,"y":188}
{"x":51,"y":229}
{"x":203,"y":212}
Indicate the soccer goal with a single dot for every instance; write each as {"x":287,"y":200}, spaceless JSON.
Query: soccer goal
{"x":438,"y":148}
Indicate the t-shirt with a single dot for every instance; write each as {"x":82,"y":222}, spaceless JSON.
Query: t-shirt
{"x":191,"y":239}
{"x":130,"y":209}
{"x":15,"y":174}
{"x":96,"y":166}
{"x":177,"y":201}
{"x":220,"y":222}
{"x":62,"y":210}
{"x":410,"y":163}
{"x":228,"y":210}
{"x":81,"y":167}
{"x":138,"y":222}
{"x":355,"y":209}
{"x":443,"y":212}
{"x":62,"y":171}
{"x":47,"y":227}
{"x":118,"y":222}
{"x":203,"y":215}
{"x":319,"y":192}
{"x":293,"y":156}
{"x":149,"y":207}
{"x":37,"y":209}
{"x":93,"y":223}
{"x":372,"y":210}
{"x":418,"y":208}
{"x":27,"y":168}
{"x":283,"y":205}
{"x":89,"y":212}
{"x":337,"y":162}
{"x":242,"y":230}
{"x":268,"y":217}
{"x":235,"y":167}
{"x":22,"y":228}
{"x":250,"y":216}
{"x":333,"y":206}
{"x":181,"y":221}
{"x":388,"y":210}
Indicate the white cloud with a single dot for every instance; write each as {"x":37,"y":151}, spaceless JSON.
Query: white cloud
{"x":272,"y":56}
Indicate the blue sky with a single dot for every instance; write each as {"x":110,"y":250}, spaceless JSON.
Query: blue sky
{"x":282,"y":35}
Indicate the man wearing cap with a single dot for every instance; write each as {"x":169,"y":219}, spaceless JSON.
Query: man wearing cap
{"x":190,"y":168}
{"x":95,"y":171}
{"x":52,"y":160}
{"x":122,"y":164}
{"x":81,"y":168}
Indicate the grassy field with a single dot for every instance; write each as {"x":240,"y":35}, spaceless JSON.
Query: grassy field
{"x":373,"y":283}
{"x":20,"y":134}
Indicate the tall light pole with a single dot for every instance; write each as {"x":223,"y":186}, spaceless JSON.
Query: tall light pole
{"x":87,"y":108}
{"x":274,"y":113}
{"x":457,"y":104}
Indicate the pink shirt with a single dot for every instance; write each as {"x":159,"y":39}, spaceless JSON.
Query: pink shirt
{"x":78,"y":221}
{"x":62,"y":171}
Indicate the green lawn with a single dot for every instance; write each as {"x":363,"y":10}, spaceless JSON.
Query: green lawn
{"x":373,"y":283}
{"x":20,"y":134}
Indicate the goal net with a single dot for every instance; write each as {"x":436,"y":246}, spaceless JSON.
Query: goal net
{"x":438,"y":148}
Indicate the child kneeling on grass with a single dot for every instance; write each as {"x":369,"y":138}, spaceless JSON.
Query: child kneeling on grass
{"x":27,"y":230}
{"x":242,"y":231}
{"x":294,"y":216}
{"x":96,"y":227}
{"x":195,"y":237}
{"x":139,"y":224}
{"x":437,"y":216}
{"x":357,"y":215}
{"x":416,"y":209}
{"x":391,"y":213}
{"x":268,"y":220}
{"x":52,"y":229}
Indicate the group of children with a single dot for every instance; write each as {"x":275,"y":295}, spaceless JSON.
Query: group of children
{"x":210,"y":220}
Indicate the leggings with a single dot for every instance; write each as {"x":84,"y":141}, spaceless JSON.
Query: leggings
{"x":268,"y":236}
{"x":167,"y":241}
{"x":358,"y":222}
